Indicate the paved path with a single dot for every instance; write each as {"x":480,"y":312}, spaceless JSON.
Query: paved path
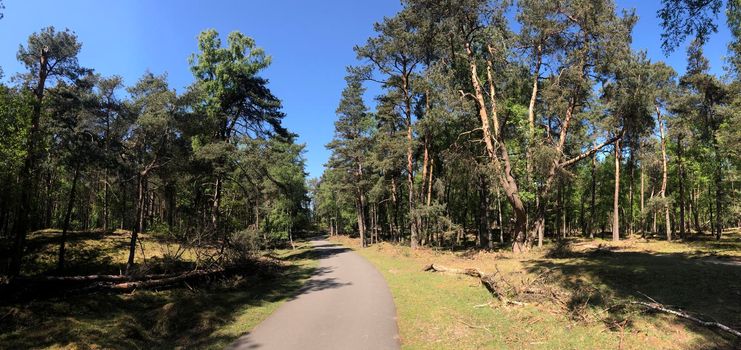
{"x":345,"y":305}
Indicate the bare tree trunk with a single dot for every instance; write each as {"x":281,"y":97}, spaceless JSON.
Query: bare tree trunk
{"x":483,"y":216}
{"x":710,"y":213}
{"x":718,"y":194}
{"x":664,"y":175}
{"x":654,"y":228}
{"x":500,"y":223}
{"x":695,"y":209}
{"x":616,"y":197}
{"x":410,"y":157}
{"x":67,"y":216}
{"x":592,"y":202}
{"x":643,"y":223}
{"x":139,"y":223}
{"x":631,"y":162}
{"x":106,"y":200}
{"x":521,"y":242}
{"x":425,"y":163}
{"x":564,"y":211}
{"x":681,"y":187}
{"x":361,"y":205}
{"x":540,"y":209}
{"x":216,"y":204}
{"x":429,"y":183}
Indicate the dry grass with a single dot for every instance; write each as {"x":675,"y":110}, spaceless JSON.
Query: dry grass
{"x":194,"y":317}
{"x":438,"y":311}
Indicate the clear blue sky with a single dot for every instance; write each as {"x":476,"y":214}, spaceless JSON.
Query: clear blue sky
{"x":310,"y":42}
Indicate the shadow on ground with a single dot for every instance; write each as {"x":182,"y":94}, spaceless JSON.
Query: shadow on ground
{"x":607,"y":279}
{"x":181,"y":318}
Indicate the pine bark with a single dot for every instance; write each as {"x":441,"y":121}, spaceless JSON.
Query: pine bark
{"x":681,"y":187}
{"x":616,"y":196}
{"x":664,"y":175}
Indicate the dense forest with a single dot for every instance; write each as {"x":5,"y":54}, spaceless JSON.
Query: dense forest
{"x":534,"y":122}
{"x":211,"y":166}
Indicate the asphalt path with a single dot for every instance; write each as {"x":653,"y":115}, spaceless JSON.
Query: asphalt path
{"x":346,"y":304}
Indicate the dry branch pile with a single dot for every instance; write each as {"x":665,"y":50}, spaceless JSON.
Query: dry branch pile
{"x":537,"y":290}
{"x":503,"y":289}
{"x":51,"y":286}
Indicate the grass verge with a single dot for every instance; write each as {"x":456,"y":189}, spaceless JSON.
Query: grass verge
{"x":439,"y":311}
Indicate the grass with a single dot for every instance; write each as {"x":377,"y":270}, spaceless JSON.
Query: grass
{"x":439,"y":311}
{"x":204,"y":317}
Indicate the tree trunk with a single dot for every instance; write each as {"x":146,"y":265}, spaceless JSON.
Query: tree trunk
{"x":592,"y":207}
{"x":483,"y":216}
{"x":521,"y":242}
{"x":429,"y":183}
{"x":643,"y":219}
{"x":710,"y":213}
{"x":681,"y":187}
{"x":410,"y":158}
{"x":216,"y":204}
{"x":695,"y":209}
{"x":27,"y":173}
{"x":664,"y":175}
{"x":616,"y":197}
{"x":138,"y":223}
{"x":631,"y":162}
{"x":67,"y":216}
{"x":425,"y":163}
{"x":500,"y":223}
{"x":106,"y":200}
{"x":718,"y":179}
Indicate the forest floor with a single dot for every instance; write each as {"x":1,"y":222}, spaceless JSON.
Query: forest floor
{"x":596,"y":280}
{"x":200,"y":316}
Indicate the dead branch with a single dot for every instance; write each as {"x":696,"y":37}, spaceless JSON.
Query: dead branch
{"x":154,"y":283}
{"x":487,"y":280}
{"x":711,"y":324}
{"x":95,"y":278}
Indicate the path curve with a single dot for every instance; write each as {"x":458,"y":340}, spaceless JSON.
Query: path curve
{"x":345,"y":305}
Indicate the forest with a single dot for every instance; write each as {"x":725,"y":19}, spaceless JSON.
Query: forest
{"x":525,"y":146}
{"x":211,"y":168}
{"x":553,"y":130}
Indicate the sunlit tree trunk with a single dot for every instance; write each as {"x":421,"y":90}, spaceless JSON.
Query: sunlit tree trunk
{"x":681,"y":187}
{"x":616,"y":197}
{"x":664,"y":175}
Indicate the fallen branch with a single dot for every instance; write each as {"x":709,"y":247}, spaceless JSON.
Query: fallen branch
{"x":95,"y":278}
{"x":473,"y":326}
{"x":660,"y":307}
{"x":487,"y":280}
{"x":154,"y":283}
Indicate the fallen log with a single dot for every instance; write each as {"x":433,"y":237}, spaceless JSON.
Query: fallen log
{"x":711,"y":324}
{"x":154,"y":283}
{"x":487,"y":280}
{"x":95,"y":278}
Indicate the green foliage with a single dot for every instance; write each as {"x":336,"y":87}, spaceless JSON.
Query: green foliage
{"x":682,"y":18}
{"x":14,"y":123}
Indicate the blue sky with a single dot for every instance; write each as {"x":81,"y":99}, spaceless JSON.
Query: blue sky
{"x":310,"y":42}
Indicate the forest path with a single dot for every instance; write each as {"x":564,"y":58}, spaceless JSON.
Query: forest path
{"x":345,"y":305}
